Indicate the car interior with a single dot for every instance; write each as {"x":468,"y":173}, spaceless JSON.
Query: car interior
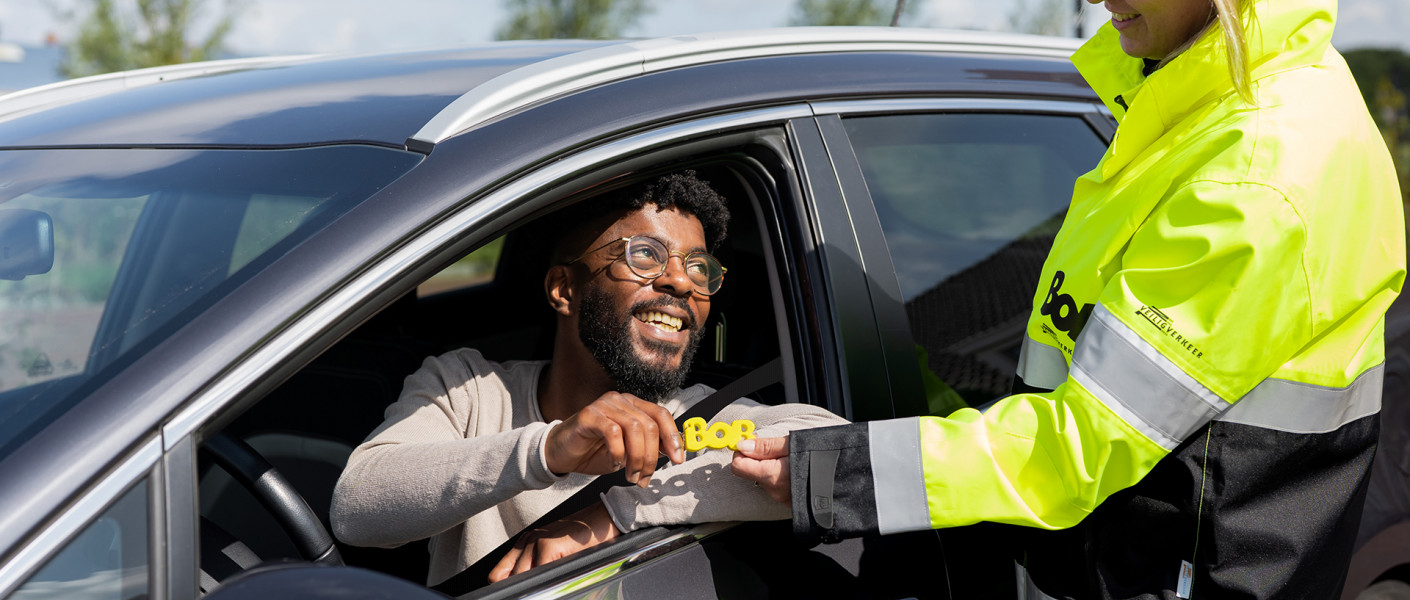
{"x":309,"y":424}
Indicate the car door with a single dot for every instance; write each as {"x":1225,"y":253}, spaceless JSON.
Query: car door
{"x":955,"y":204}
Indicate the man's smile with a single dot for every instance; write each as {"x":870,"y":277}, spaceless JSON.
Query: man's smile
{"x":660,"y":320}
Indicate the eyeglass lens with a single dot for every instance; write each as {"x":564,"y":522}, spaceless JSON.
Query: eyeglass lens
{"x":647,"y":257}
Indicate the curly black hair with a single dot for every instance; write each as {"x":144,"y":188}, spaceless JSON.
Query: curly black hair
{"x":681,"y":190}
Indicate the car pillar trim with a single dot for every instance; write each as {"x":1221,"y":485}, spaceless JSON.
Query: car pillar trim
{"x":51,"y":539}
{"x":1041,"y":365}
{"x":898,"y":478}
{"x":451,"y":230}
{"x":1141,"y":385}
{"x":1296,"y":407}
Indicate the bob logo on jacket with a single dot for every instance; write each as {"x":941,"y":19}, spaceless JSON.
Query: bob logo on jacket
{"x":1062,"y":310}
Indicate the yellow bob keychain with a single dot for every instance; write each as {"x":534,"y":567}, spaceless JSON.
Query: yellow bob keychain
{"x":719,"y":436}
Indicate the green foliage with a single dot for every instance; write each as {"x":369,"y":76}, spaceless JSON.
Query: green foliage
{"x":111,"y":38}
{"x":850,"y":12}
{"x":1384,"y":78}
{"x":570,"y":19}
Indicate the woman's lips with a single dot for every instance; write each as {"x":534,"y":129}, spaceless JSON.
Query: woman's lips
{"x":1123,"y":20}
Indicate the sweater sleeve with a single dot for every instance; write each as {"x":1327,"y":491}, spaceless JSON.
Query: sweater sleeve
{"x":702,"y":489}
{"x":429,"y":467}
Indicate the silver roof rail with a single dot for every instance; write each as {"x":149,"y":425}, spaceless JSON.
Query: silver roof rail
{"x":580,"y":70}
{"x":64,"y":92}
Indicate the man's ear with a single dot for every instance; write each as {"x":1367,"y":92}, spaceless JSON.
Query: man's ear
{"x":558,"y":287}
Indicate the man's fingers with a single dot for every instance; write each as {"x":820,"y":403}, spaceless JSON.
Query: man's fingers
{"x":616,"y":432}
{"x":610,"y":432}
{"x":641,"y":433}
{"x":526,"y":559}
{"x":546,"y":553}
{"x":634,"y":437}
{"x":505,"y":566}
{"x":764,"y":448}
{"x":670,"y":438}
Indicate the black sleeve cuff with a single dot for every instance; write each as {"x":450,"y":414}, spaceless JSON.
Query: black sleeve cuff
{"x":831,"y":483}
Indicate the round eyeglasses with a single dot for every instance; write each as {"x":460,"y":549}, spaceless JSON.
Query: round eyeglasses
{"x":647,"y":256}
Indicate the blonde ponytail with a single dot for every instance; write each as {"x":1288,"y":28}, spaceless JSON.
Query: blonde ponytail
{"x":1231,"y":18}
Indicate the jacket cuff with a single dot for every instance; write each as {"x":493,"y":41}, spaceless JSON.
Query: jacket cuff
{"x":831,"y":482}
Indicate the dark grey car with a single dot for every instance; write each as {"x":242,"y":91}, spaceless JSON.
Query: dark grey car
{"x":216,"y":265}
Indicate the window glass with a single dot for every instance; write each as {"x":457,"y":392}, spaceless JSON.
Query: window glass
{"x":267,"y":220}
{"x":48,"y":323}
{"x":970,"y":204}
{"x":108,"y":560}
{"x":476,"y":268}
{"x":142,"y":240}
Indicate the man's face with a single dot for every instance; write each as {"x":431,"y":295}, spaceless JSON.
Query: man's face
{"x":643,"y":332}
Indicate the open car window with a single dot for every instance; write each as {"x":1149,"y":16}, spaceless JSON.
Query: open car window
{"x":490,"y":299}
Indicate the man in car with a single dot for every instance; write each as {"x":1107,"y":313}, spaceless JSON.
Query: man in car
{"x":474,"y":451}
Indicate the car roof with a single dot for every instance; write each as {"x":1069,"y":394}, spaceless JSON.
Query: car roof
{"x":416,"y":98}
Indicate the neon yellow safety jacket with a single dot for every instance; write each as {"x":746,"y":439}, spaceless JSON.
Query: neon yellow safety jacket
{"x":1204,"y":355}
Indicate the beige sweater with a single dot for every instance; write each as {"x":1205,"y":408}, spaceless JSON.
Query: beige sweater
{"x":460,"y":459}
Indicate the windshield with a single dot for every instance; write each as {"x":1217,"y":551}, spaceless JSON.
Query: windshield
{"x":101,"y":250}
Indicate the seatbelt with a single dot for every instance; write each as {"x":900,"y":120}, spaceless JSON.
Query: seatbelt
{"x":477,"y":575}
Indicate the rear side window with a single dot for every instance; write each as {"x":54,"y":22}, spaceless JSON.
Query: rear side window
{"x":970,"y":204}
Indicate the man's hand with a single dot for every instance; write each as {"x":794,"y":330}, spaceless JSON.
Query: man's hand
{"x":583,"y":529}
{"x":764,"y":461}
{"x":614,"y":432}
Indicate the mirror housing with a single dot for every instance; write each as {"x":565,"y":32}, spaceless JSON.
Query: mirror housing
{"x":26,"y":243}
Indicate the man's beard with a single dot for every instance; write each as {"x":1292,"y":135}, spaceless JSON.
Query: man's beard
{"x":607,"y":335}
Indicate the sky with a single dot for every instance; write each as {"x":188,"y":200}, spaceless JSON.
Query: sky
{"x":267,"y":27}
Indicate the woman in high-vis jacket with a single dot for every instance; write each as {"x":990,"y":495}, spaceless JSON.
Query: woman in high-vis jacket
{"x":1201,"y":375}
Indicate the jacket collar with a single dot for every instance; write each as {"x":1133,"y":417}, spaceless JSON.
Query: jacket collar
{"x":1285,"y":35}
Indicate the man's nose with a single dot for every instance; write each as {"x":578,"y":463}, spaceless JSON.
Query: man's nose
{"x":673,"y":279}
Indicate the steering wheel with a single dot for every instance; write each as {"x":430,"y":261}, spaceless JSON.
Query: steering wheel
{"x":277,"y":495}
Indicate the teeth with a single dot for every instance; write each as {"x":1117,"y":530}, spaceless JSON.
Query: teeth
{"x":1116,"y":16}
{"x":661,"y":320}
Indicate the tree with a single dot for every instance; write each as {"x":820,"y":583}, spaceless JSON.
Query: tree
{"x":850,"y":12}
{"x":1041,"y":17}
{"x":1384,"y":78}
{"x":570,"y":19}
{"x":160,"y":33}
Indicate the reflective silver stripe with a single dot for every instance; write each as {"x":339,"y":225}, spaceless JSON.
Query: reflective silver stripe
{"x":897,"y":476}
{"x":1041,"y":365}
{"x":1295,"y":407}
{"x":1139,"y":383}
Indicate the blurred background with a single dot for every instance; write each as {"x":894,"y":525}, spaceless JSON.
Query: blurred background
{"x":43,"y":41}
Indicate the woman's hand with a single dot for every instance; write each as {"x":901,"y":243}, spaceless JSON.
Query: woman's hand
{"x":583,"y":529}
{"x":765,"y":462}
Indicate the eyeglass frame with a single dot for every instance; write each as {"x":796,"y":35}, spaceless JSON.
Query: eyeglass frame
{"x":664,"y":263}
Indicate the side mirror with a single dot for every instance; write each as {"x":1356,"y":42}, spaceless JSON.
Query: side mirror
{"x":26,"y":243}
